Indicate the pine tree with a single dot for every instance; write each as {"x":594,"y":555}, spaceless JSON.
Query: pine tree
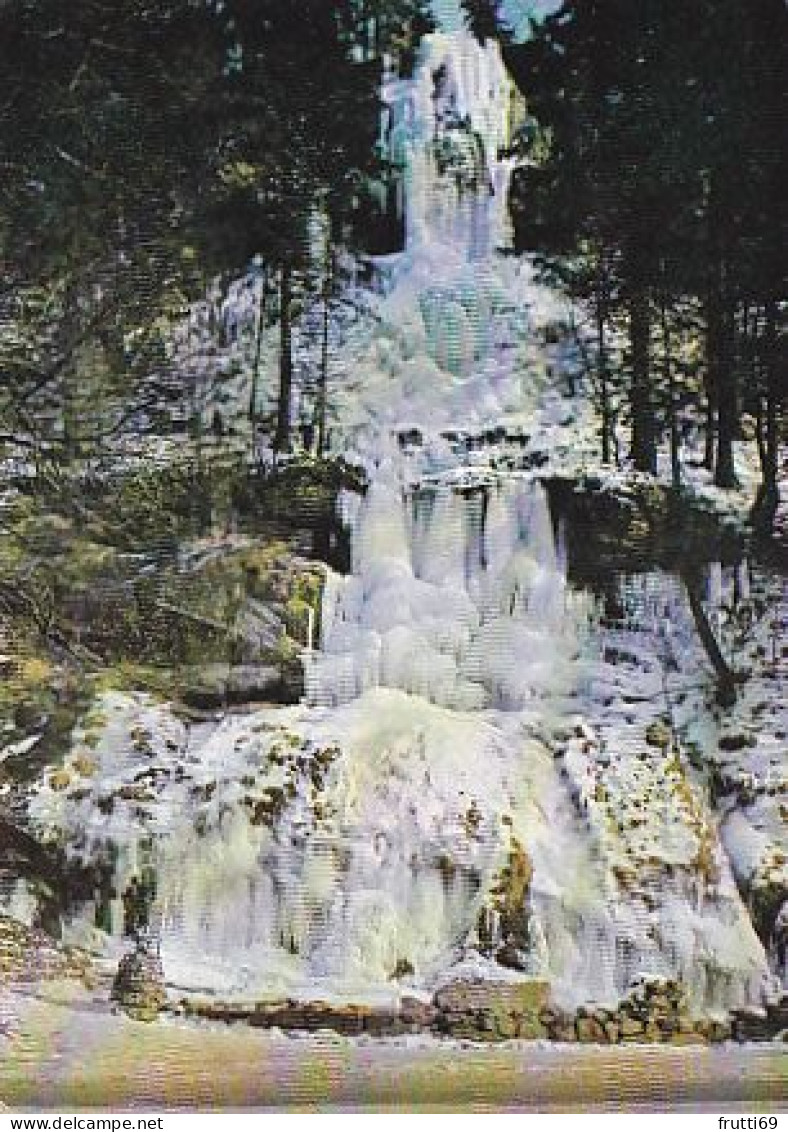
{"x":664,"y":161}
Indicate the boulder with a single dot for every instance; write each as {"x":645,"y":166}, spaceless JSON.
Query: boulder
{"x":211,"y":686}
{"x":589,"y":1030}
{"x":417,"y":1013}
{"x":631,"y":1027}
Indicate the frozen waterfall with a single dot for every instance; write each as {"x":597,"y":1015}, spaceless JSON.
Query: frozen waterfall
{"x":349,"y":846}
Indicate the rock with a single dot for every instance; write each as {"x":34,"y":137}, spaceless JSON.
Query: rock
{"x":690,"y":1039}
{"x":464,"y":996}
{"x":261,"y":683}
{"x":210,"y":686}
{"x":718,"y":1030}
{"x":257,"y":630}
{"x":136,"y":792}
{"x":752,"y":1025}
{"x":28,"y":955}
{"x":736,"y":741}
{"x":492,"y":1010}
{"x":658,"y":734}
{"x":631,"y":1027}
{"x":590,"y":1030}
{"x":205,"y":687}
{"x":139,"y":985}
{"x":417,"y":1013}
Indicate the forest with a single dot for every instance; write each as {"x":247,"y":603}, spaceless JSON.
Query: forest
{"x":147,"y":153}
{"x":656,"y":201}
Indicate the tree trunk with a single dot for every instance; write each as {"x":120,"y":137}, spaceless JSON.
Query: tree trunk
{"x":710,"y":432}
{"x":721,"y":363}
{"x":322,"y":394}
{"x":775,"y":390}
{"x":720,"y":338}
{"x":284,"y":408}
{"x":602,"y":368}
{"x":258,"y":350}
{"x":768,"y":498}
{"x":670,"y":377}
{"x":644,"y":449}
{"x":726,"y":678}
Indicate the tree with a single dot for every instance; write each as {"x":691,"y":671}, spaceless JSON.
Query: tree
{"x":651,"y":112}
{"x":299,"y":122}
{"x":485,"y":20}
{"x":101,"y":145}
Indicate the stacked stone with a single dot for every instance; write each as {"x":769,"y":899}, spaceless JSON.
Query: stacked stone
{"x":413,"y":1016}
{"x":28,"y":955}
{"x":139,"y":985}
{"x":492,"y":1011}
{"x":655,"y":1010}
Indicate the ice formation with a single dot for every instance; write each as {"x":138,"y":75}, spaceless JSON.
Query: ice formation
{"x":350,"y":845}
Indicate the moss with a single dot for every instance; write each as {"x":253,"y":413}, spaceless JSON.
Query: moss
{"x":126,"y":676}
{"x":35,"y":671}
{"x":267,"y":809}
{"x":706,"y":859}
{"x":255,"y":565}
{"x":472,"y":820}
{"x":285,"y":652}
{"x":403,"y":969}
{"x":658,"y":734}
{"x":83,"y":764}
{"x":511,"y":891}
{"x":306,"y":597}
{"x":507,"y":904}
{"x":447,"y":868}
{"x":60,"y":780}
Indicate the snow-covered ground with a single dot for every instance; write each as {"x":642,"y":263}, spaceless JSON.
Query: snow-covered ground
{"x":67,"y":1051}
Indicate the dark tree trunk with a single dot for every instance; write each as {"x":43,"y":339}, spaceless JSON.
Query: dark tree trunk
{"x":726,"y":677}
{"x":775,"y":391}
{"x":284,"y":408}
{"x":322,"y":395}
{"x":670,"y":379}
{"x":602,"y":368}
{"x":644,"y":447}
{"x":720,"y":337}
{"x":768,"y":498}
{"x":258,"y":350}
{"x":723,"y":378}
{"x":710,"y":432}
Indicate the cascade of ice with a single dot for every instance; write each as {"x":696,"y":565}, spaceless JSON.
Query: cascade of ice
{"x":455,"y":596}
{"x":455,"y":320}
{"x":460,"y":114}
